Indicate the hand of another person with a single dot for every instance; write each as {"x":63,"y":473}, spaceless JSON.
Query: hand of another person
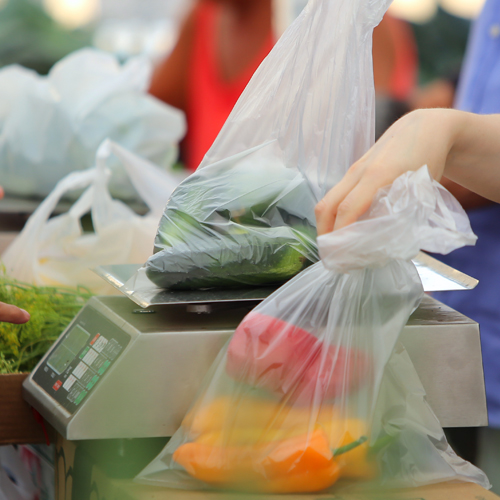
{"x":465,"y":144}
{"x":10,"y":313}
{"x":13,"y":314}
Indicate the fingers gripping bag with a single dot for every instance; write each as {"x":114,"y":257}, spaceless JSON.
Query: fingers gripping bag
{"x":246,"y":216}
{"x":313,"y":386}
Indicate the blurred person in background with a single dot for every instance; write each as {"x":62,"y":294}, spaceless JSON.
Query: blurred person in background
{"x":222,"y":43}
{"x":220,"y":46}
{"x":442,"y":43}
{"x":395,"y":70}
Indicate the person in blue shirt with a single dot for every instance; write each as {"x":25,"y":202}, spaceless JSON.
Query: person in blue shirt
{"x":465,"y":147}
{"x":479,"y":92}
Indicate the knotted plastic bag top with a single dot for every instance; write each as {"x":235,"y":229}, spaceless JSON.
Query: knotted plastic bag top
{"x":414,"y":213}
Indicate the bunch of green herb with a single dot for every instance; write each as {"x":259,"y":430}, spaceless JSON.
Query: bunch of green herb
{"x":51,"y":310}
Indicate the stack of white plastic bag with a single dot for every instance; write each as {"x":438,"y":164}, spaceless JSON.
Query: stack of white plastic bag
{"x":313,"y":386}
{"x":56,"y":251}
{"x":52,"y":125}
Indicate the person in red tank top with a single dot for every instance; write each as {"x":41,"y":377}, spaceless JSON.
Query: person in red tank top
{"x":221,"y":44}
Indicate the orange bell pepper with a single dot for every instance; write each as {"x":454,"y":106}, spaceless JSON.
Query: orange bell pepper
{"x":302,"y":463}
{"x":251,"y":422}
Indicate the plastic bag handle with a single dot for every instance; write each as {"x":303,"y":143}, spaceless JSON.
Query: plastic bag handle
{"x":35,"y":224}
{"x":149,"y":181}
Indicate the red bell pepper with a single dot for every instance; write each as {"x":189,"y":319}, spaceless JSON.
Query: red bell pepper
{"x":289,"y":361}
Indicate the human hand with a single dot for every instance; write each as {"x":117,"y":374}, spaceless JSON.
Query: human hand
{"x":423,"y":137}
{"x":8,"y":312}
{"x":13,"y":314}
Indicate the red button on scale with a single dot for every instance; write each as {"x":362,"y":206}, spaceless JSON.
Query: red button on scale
{"x":95,"y":338}
{"x":57,"y":385}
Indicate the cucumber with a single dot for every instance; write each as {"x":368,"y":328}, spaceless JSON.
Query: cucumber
{"x":247,"y":259}
{"x":237,"y":227}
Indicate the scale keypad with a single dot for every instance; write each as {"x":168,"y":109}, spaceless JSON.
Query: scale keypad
{"x":80,"y":358}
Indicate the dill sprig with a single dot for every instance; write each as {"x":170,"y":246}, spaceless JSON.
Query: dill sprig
{"x":51,"y":310}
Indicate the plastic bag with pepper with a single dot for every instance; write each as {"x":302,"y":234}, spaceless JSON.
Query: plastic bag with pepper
{"x":292,"y":402}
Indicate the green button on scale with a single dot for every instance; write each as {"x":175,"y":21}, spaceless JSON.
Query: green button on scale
{"x":91,"y":384}
{"x":80,"y":397}
{"x":85,"y":351}
{"x":104,"y":367}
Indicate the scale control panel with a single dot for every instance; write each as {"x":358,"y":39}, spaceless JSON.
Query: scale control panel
{"x":80,"y":359}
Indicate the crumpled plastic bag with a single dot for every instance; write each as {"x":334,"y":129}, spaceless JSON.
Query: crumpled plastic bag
{"x":52,"y":125}
{"x":57,"y":251}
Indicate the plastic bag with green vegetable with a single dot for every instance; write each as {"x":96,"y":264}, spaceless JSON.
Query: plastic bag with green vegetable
{"x":304,"y":118}
{"x":248,"y":220}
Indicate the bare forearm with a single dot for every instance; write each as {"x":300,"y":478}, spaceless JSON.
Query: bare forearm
{"x":467,"y":198}
{"x":474,"y":158}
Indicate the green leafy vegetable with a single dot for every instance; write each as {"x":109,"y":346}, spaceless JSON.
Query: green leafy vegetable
{"x":51,"y":310}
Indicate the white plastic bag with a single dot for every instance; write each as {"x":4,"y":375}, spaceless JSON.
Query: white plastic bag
{"x":246,"y":217}
{"x":56,"y":251}
{"x":313,"y":387}
{"x":52,"y":125}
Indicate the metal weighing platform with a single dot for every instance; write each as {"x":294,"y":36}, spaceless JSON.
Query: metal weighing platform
{"x":130,"y":368}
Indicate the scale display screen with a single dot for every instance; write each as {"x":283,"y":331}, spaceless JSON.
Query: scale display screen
{"x":81,"y":358}
{"x":71,"y":345}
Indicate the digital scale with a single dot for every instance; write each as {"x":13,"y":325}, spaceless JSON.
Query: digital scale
{"x":130,"y":366}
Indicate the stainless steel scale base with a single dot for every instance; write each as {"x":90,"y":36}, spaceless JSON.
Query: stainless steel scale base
{"x":160,"y":356}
